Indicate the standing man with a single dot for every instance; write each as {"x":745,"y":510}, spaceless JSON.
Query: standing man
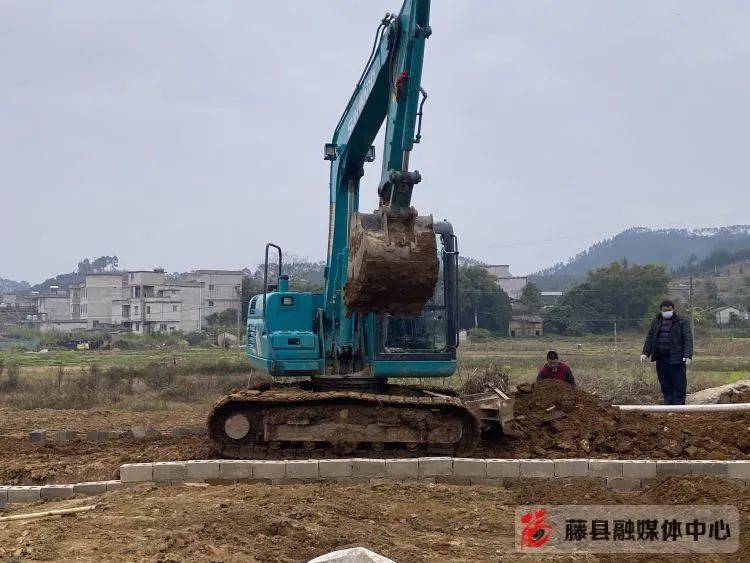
{"x":669,"y":343}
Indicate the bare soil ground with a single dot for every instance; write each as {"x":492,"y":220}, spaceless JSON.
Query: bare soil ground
{"x":556,"y":420}
{"x":256,"y":522}
{"x":21,"y":420}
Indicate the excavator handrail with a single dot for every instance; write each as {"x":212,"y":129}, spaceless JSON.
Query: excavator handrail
{"x":265,"y":275}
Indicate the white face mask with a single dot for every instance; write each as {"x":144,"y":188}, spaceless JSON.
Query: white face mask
{"x":667,"y":314}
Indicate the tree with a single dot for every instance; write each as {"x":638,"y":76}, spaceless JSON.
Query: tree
{"x":617,"y":293}
{"x":531,"y":296}
{"x":482,"y":303}
{"x":101,"y":264}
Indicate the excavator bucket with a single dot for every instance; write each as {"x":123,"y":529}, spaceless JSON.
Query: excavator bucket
{"x":393,"y":264}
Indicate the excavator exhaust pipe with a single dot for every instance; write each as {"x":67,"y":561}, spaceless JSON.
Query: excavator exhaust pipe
{"x":393,"y":264}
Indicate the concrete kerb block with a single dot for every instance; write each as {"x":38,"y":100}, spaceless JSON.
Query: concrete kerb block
{"x":536,"y":468}
{"x":435,"y":466}
{"x":180,"y":432}
{"x":198,"y":430}
{"x":24,"y":494}
{"x":571,"y":467}
{"x":738,"y":469}
{"x":96,"y":436}
{"x":638,"y":469}
{"x":503,"y":468}
{"x":56,"y":491}
{"x":335,"y":468}
{"x":3,"y":495}
{"x":363,"y":467}
{"x":138,"y":432}
{"x":402,"y":468}
{"x":36,"y":436}
{"x":115,"y":485}
{"x":269,"y":469}
{"x":204,"y":469}
{"x":470,"y":467}
{"x":231,"y":469}
{"x":710,"y":468}
{"x":605,"y":468}
{"x":302,"y":469}
{"x":65,"y":435}
{"x":90,"y":488}
{"x":137,"y":472}
{"x":169,"y":471}
{"x":673,"y":467}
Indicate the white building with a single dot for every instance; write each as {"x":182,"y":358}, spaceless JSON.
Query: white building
{"x":52,"y":305}
{"x":149,"y":302}
{"x":724,"y":315}
{"x":91,"y":300}
{"x":512,"y":285}
{"x":221,"y":290}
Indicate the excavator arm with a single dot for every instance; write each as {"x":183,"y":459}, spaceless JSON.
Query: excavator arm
{"x":384,"y":262}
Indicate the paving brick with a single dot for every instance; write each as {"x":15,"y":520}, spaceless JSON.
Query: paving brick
{"x":335,"y":468}
{"x":536,"y":468}
{"x":36,"y":436}
{"x":90,"y":488}
{"x":738,"y":469}
{"x":624,"y":485}
{"x":713,"y":468}
{"x":605,"y":468}
{"x":169,"y":471}
{"x":24,"y":494}
{"x":269,"y":469}
{"x":402,"y":468}
{"x":368,"y":467}
{"x":56,"y":491}
{"x":673,"y":467}
{"x":302,"y":469}
{"x":65,"y":436}
{"x":136,"y":472}
{"x":206,"y":469}
{"x":638,"y":469}
{"x":138,"y":432}
{"x":571,"y":467}
{"x":467,"y":467}
{"x":503,"y":468}
{"x":435,"y":466}
{"x":231,"y":469}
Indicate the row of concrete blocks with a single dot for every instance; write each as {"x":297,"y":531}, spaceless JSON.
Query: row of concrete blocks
{"x":35,"y":493}
{"x":103,"y":435}
{"x":619,"y":474}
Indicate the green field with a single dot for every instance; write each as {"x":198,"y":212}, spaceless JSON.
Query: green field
{"x":601,"y":365}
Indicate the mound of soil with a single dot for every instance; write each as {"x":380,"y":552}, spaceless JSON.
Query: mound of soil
{"x":558,"y":420}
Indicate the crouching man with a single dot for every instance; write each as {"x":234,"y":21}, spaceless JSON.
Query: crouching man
{"x":669,"y":343}
{"x":555,"y":369}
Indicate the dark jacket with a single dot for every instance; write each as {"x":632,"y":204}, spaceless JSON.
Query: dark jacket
{"x":563,"y":372}
{"x":681,"y":339}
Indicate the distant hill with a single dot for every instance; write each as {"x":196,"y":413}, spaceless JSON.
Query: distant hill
{"x":11,"y":286}
{"x":672,"y":247}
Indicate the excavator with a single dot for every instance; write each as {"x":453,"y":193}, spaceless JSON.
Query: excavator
{"x":389,"y":310}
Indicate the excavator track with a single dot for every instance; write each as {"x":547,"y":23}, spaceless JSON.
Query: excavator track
{"x":288,"y":421}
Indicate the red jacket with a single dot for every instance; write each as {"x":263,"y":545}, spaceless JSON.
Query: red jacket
{"x":563,"y":372}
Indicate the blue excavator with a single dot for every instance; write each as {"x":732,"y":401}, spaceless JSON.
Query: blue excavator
{"x":390,"y":305}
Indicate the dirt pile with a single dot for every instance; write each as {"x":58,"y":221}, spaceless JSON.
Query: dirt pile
{"x":558,"y":420}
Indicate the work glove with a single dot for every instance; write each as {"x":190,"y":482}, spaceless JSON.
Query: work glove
{"x":687,"y":361}
{"x":644,"y":357}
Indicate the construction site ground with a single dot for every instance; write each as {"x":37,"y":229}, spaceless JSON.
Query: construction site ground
{"x":256,"y":522}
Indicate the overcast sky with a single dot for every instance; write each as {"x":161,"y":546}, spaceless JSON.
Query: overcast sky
{"x":186,"y":134}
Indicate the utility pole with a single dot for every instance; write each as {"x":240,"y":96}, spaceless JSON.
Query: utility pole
{"x":690,"y":302}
